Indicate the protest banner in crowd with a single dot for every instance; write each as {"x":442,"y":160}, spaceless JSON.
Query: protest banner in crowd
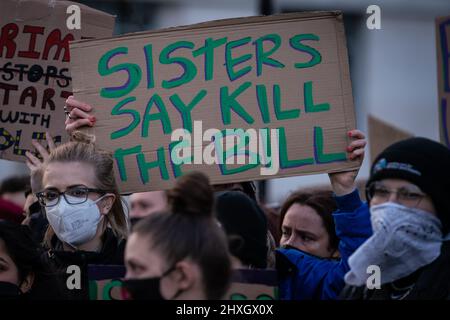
{"x":105,"y":283}
{"x":253,"y":284}
{"x":443,"y":58}
{"x":382,"y":135}
{"x":35,"y":78}
{"x":239,"y":99}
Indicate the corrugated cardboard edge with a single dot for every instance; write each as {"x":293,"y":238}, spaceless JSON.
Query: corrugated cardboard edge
{"x":251,"y":20}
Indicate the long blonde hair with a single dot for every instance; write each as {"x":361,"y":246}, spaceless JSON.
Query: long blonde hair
{"x":81,"y":148}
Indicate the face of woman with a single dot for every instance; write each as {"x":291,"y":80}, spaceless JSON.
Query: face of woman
{"x":74,"y":178}
{"x":8,"y":269}
{"x":303,"y":229}
{"x":145,"y":203}
{"x":179,"y":281}
{"x":140,"y":260}
{"x":402,"y":192}
{"x":144,"y":262}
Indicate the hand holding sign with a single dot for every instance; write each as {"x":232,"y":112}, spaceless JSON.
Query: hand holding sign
{"x":78,"y":115}
{"x":344,"y":182}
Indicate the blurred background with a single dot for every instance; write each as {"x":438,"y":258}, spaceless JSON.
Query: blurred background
{"x":393,"y":70}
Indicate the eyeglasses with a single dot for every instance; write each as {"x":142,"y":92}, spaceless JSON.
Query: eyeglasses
{"x":407,"y":196}
{"x":73,"y":195}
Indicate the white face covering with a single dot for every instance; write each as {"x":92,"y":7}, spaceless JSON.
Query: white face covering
{"x":404,"y":240}
{"x":74,"y":224}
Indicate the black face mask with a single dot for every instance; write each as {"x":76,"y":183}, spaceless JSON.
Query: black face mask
{"x":9,"y":290}
{"x":313,"y":255}
{"x":146,"y":288}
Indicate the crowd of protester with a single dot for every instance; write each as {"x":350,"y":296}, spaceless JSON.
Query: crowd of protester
{"x":185,"y":242}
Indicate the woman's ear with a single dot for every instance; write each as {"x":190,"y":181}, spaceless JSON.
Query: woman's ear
{"x":107,"y":203}
{"x":27,"y":283}
{"x":180,"y":280}
{"x":185,"y":274}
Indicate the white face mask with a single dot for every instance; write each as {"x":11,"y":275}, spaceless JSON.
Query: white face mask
{"x":74,"y":224}
{"x":404,"y":240}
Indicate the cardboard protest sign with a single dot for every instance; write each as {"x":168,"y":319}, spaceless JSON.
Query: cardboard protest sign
{"x":382,"y":135}
{"x":35,"y":78}
{"x":253,"y":284}
{"x":247,"y":284}
{"x":105,"y":282}
{"x":443,"y":58}
{"x":239,"y":99}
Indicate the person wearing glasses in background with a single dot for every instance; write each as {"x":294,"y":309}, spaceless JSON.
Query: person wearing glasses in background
{"x":87,"y":224}
{"x":408,"y":255}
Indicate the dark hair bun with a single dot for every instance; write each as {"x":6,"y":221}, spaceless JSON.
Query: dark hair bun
{"x":192,"y":195}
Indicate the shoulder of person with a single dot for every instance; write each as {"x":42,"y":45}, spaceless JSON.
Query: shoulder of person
{"x":364,"y":293}
{"x":434,"y":281}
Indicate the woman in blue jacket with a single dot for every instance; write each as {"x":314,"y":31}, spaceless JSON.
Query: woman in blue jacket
{"x":307,"y":272}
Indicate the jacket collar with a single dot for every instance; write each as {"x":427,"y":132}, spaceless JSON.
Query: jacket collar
{"x":108,"y":251}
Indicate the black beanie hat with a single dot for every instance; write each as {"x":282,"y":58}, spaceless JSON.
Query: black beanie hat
{"x":245,"y":225}
{"x":423,"y":162}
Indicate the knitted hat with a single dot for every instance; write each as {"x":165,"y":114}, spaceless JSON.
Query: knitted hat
{"x":246,"y":226}
{"x":423,"y":162}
